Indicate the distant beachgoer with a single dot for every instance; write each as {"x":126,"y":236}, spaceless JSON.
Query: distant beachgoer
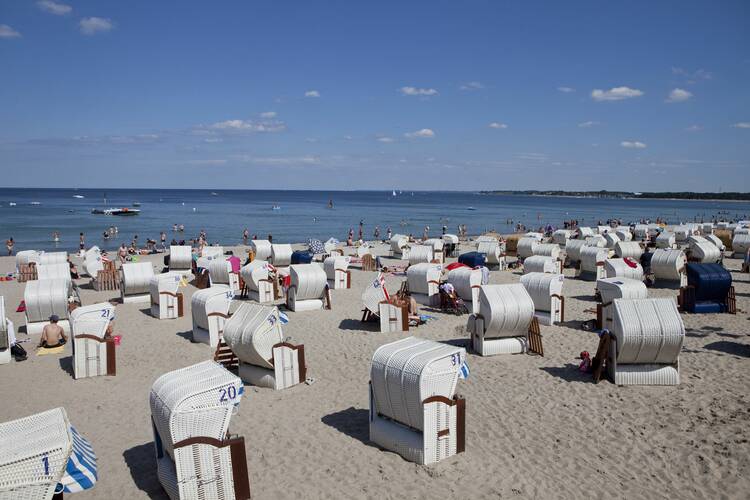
{"x":445,"y":229}
{"x":73,"y":270}
{"x":163,"y":239}
{"x":245,"y":235}
{"x":376,"y":233}
{"x":9,"y":244}
{"x":55,"y":236}
{"x":122,"y":253}
{"x":81,"y":241}
{"x":53,"y":335}
{"x":270,"y":238}
{"x":426,"y":232}
{"x":174,"y":227}
{"x":388,"y":232}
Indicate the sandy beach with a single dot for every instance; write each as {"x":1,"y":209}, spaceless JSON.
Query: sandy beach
{"x":536,"y":427}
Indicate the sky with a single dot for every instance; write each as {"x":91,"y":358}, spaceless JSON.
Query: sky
{"x":419,"y":95}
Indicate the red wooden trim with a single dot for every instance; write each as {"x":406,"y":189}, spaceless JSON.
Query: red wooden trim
{"x":111,"y":358}
{"x":439,"y":399}
{"x":460,"y":424}
{"x":220,"y":315}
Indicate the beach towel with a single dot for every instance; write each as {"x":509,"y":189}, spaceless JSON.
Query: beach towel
{"x":630,"y":262}
{"x":55,"y":350}
{"x":454,"y":265}
{"x":236,"y":263}
{"x":21,"y":307}
{"x":80,"y":471}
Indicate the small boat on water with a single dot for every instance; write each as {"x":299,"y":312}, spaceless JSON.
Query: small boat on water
{"x":276,"y":207}
{"x":12,"y":204}
{"x":79,"y":196}
{"x":125,"y":211}
{"x":136,"y":203}
{"x":35,"y":203}
{"x":470,"y":208}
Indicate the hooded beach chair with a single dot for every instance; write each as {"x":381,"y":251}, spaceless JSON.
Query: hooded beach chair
{"x":135,"y":284}
{"x":7,"y":334}
{"x":450,"y":245}
{"x":666,"y":239}
{"x":308,"y":290}
{"x":259,"y":278}
{"x":400,"y":246}
{"x":281,"y":255}
{"x":644,"y":345}
{"x":92,"y":262}
{"x":414,"y":409}
{"x":167,"y":302}
{"x":623,"y":268}
{"x":609,"y":289}
{"x":505,"y":322}
{"x":419,"y":254}
{"x":541,"y":264}
{"x":740,"y":245}
{"x":337,"y":273}
{"x":466,"y":282}
{"x":181,"y":258}
{"x":561,"y":236}
{"x":56,"y":271}
{"x":526,"y":246}
{"x":261,"y":249}
{"x":702,"y":251}
{"x":631,"y":249}
{"x":93,"y":349}
{"x":437,"y":248}
{"x":44,"y":298}
{"x":709,"y":290}
{"x":592,"y":262}
{"x":43,"y":456}
{"x":210,"y":310}
{"x":379,"y":307}
{"x":255,"y":336}
{"x":668,"y":268}
{"x":494,"y":253}
{"x":423,"y":281}
{"x":220,"y":273}
{"x":545,"y":290}
{"x":196,"y":456}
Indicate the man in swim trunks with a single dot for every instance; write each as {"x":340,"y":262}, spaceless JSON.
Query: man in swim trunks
{"x":53,"y":335}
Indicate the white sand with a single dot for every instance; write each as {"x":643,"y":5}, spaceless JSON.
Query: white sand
{"x":536,"y":428}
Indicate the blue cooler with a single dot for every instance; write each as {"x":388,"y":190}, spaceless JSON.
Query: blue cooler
{"x":472,"y":259}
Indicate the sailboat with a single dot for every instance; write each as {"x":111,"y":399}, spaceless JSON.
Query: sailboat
{"x":394,"y":192}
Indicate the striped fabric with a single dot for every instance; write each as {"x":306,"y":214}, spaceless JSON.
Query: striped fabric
{"x":80,"y":472}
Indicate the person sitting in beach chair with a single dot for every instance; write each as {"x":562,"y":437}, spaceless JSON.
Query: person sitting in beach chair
{"x":450,"y":302}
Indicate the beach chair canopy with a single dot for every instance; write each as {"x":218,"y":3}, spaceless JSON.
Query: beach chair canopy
{"x":620,"y":288}
{"x":647,"y":330}
{"x":541,"y":287}
{"x":50,"y":258}
{"x":309,"y":281}
{"x":212,"y":252}
{"x":668,"y":264}
{"x":507,"y":309}
{"x":254,"y":272}
{"x":214,"y":299}
{"x":419,"y":276}
{"x":43,"y":454}
{"x":540,"y":264}
{"x":623,"y":268}
{"x":261,"y":248}
{"x":43,"y":298}
{"x":547,"y":250}
{"x":631,"y":249}
{"x":407,"y":372}
{"x":464,"y":279}
{"x":251,"y":333}
{"x":180,"y":257}
{"x":59,"y":271}
{"x":165,"y":282}
{"x":333,"y":264}
{"x":98,"y":311}
{"x":374,"y":294}
{"x":136,"y":277}
{"x":281,"y":254}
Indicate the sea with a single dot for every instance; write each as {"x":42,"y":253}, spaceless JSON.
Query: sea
{"x":31,"y":216}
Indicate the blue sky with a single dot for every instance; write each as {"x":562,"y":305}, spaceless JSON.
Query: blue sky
{"x":467,"y":95}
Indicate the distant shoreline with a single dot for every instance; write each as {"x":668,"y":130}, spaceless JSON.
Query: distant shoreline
{"x":611,"y":195}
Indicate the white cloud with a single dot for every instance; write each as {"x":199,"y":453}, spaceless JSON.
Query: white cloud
{"x":429,"y":92}
{"x":281,"y":160}
{"x":694,"y":128}
{"x":348,"y":137}
{"x":470,"y":86}
{"x":742,"y":125}
{"x":248,"y":126}
{"x":424,"y":133}
{"x":268,"y":114}
{"x":679,"y":95}
{"x":386,"y":140}
{"x":497,"y":125}
{"x":615,"y":94}
{"x":588,"y":124}
{"x":693,"y":76}
{"x":633,"y":145}
{"x":8,"y":32}
{"x":207,"y":162}
{"x":312,"y":93}
{"x":59,"y":9}
{"x":566,"y":90}
{"x":94,"y":25}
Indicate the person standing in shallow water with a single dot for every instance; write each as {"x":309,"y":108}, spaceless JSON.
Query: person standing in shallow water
{"x":9,"y":244}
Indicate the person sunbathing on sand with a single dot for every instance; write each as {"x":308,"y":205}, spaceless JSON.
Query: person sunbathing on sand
{"x":53,"y":335}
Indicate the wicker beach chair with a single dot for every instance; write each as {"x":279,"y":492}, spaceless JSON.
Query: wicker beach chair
{"x":546,"y":292}
{"x":135,"y":284}
{"x":505,"y":322}
{"x":424,"y":281}
{"x":609,"y":289}
{"x":43,"y":298}
{"x":337,"y":273}
{"x":43,"y":456}
{"x":7,"y":334}
{"x":259,"y":278}
{"x":167,"y":302}
{"x":255,"y":336}
{"x":94,"y":351}
{"x":196,"y":456}
{"x":414,"y":409}
{"x":309,"y":288}
{"x":210,"y":310}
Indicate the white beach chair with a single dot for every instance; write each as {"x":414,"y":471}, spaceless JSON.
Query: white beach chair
{"x":220,"y":273}
{"x":666,"y":239}
{"x":7,"y":334}
{"x":541,"y":264}
{"x":715,"y":240}
{"x":414,"y":409}
{"x":561,"y":236}
{"x":645,"y":342}
{"x":610,"y":289}
{"x":546,"y":292}
{"x":259,"y":278}
{"x":196,"y":457}
{"x":466,"y":283}
{"x":641,"y":232}
{"x":309,"y":288}
{"x":337,"y":273}
{"x":210,"y":310}
{"x":92,"y":262}
{"x":423,"y":281}
{"x":43,"y":455}
{"x":281,"y":255}
{"x":619,"y":268}
{"x":57,"y":271}
{"x":703,"y":251}
{"x":93,"y":350}
{"x":505,"y":322}
{"x":376,"y":306}
{"x":494,"y":253}
{"x":262,"y":249}
{"x":584,"y":232}
{"x":450,"y":245}
{"x":212,"y":252}
{"x":135,"y":284}
{"x":181,"y":258}
{"x":668,"y":267}
{"x":437,"y":248}
{"x":167,"y":302}
{"x":400,"y":246}
{"x":740,"y":245}
{"x":51,"y":258}
{"x":631,"y":249}
{"x":624,"y":234}
{"x":420,"y":254}
{"x":573,"y":251}
{"x":592,"y":262}
{"x":254,"y":335}
{"x":611,"y":239}
{"x":526,"y":246}
{"x":43,"y":298}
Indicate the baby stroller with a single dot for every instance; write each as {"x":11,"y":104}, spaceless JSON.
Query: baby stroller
{"x":450,"y":302}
